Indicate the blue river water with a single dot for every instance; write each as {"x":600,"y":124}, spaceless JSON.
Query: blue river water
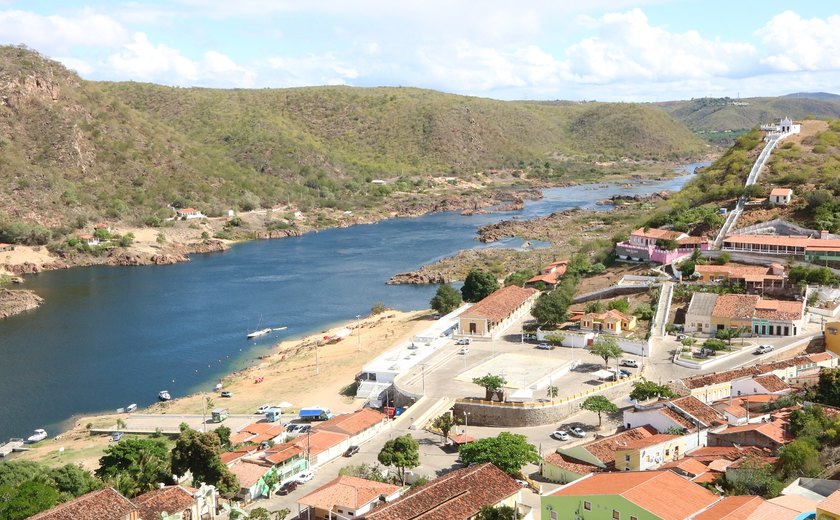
{"x":109,"y":336}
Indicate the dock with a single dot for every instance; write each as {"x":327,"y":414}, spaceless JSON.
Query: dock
{"x":13,"y":445}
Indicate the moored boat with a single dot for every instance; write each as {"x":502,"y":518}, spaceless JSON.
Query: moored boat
{"x":38,"y":436}
{"x":163,"y":395}
{"x":256,"y":333}
{"x":131,"y":407}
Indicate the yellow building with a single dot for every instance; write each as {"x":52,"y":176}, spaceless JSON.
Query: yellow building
{"x":611,"y":322}
{"x":829,"y":509}
{"x":831,"y":330}
{"x":650,"y":453}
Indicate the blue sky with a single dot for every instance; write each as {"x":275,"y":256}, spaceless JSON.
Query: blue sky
{"x":608,"y":50}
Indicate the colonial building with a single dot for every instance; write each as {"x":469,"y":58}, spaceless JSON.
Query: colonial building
{"x":611,"y":322}
{"x":765,"y":317}
{"x":651,"y":245}
{"x":489,"y":318}
{"x":754,"y":278}
{"x":550,"y":275}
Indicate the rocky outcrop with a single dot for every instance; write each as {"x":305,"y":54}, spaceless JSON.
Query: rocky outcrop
{"x":205,"y":246}
{"x":17,"y":301}
{"x":417,"y":278}
{"x":277,"y":233}
{"x":31,"y":268}
{"x":126,"y":258}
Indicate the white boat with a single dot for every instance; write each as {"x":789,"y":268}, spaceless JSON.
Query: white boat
{"x":131,"y":407}
{"x":280,"y":328}
{"x":38,"y":436}
{"x":163,"y":395}
{"x":256,"y":333}
{"x":217,"y":387}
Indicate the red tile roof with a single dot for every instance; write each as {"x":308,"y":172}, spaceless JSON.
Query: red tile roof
{"x":348,"y":492}
{"x":831,"y":504}
{"x":104,"y":504}
{"x":280,"y":453}
{"x":649,"y":441}
{"x":249,"y":472}
{"x":731,"y":453}
{"x":807,"y":243}
{"x":169,"y":499}
{"x":319,"y":440}
{"x":781,"y":192}
{"x":698,"y":409}
{"x":771,"y":383}
{"x":737,"y":306}
{"x":734,"y":271}
{"x":231,"y":456}
{"x":658,"y":234}
{"x":457,"y":495}
{"x":778,"y":310}
{"x":604,"y":449}
{"x":501,"y":303}
{"x":820,"y":356}
{"x":677,"y":418}
{"x":353,"y":423}
{"x":662,"y":493}
{"x":692,"y":467}
{"x":732,"y":508}
{"x":773,"y":430}
{"x":570,"y":464}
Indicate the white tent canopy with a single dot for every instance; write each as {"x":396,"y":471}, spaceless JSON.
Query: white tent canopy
{"x":604,"y":374}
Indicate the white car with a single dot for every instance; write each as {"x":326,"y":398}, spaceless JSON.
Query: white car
{"x":577,"y":432}
{"x":264,"y":408}
{"x":306,"y":476}
{"x":464,"y":350}
{"x":560,"y":435}
{"x":632,"y":363}
{"x":763,"y":349}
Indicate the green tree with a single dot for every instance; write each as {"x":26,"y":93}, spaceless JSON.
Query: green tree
{"x":364,"y":471}
{"x":644,"y":311}
{"x":259,"y":513}
{"x":402,"y":453}
{"x":621,"y":305}
{"x":280,"y":514}
{"x":555,"y":338}
{"x":508,"y":451}
{"x":488,"y":512}
{"x":492,"y":384}
{"x":27,"y":499}
{"x":593,"y":307}
{"x":606,"y":347}
{"x":198,"y":453}
{"x":223,"y":432}
{"x":552,"y":308}
{"x":446,"y":299}
{"x":800,"y":458}
{"x":478,"y":285}
{"x":519,"y":277}
{"x":126,"y":240}
{"x":714,"y":344}
{"x":551,"y":392}
{"x":600,"y":405}
{"x":728,"y":334}
{"x":135,"y":466}
{"x":445,"y":423}
{"x":271,"y":480}
{"x":644,"y":389}
{"x":73,"y":480}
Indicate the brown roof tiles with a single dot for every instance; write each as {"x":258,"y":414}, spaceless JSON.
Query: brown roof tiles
{"x":737,"y":306}
{"x":353,"y":423}
{"x":346,"y":491}
{"x":501,"y":303}
{"x":104,"y":504}
{"x":771,"y":383}
{"x":570,"y":464}
{"x":698,"y":409}
{"x":604,"y":449}
{"x":168,"y":499}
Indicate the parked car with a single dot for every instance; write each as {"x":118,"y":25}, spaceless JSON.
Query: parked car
{"x":763,"y":349}
{"x":306,"y":476}
{"x":463,"y":341}
{"x":464,"y":350}
{"x":560,"y":435}
{"x":681,"y":337}
{"x":264,"y":408}
{"x":227,"y":393}
{"x":577,"y":432}
{"x":116,"y":436}
{"x":288,"y":487}
{"x":352,"y":450}
{"x":545,"y":346}
{"x":436,"y":316}
{"x":629,"y":363}
{"x":412,"y":346}
{"x":624,"y":373}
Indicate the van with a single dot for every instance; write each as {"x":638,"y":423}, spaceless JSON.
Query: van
{"x":219,"y":414}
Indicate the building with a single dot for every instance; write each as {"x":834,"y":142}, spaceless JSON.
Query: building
{"x":359,"y":426}
{"x":829,"y":508}
{"x":639,"y":495}
{"x":174,"y":500}
{"x":831,"y":331}
{"x":784,"y":127}
{"x":550,"y":275}
{"x":754,"y":278}
{"x":90,"y":240}
{"x":251,"y":474}
{"x":188,"y":214}
{"x":688,"y":414}
{"x":764,"y":317}
{"x":651,"y":452}
{"x":256,"y":433}
{"x":781,"y":196}
{"x":288,"y":459}
{"x":652,"y":245}
{"x":610,"y":322}
{"x":104,"y":504}
{"x":771,"y":434}
{"x":814,"y":250}
{"x":457,"y":495}
{"x":747,"y":507}
{"x":346,"y":497}
{"x":763,"y":384}
{"x":322,"y":446}
{"x":492,"y":315}
{"x":698,"y":317}
{"x":6,"y":248}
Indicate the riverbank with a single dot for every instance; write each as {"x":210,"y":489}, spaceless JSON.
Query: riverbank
{"x":288,"y":373}
{"x":17,"y":301}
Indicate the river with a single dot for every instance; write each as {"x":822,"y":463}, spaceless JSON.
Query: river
{"x":110,"y":336}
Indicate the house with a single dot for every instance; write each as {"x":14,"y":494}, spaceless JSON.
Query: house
{"x":610,"y":322}
{"x":691,"y":469}
{"x":748,"y":311}
{"x":829,"y":508}
{"x":814,"y":250}
{"x":771,"y":434}
{"x":784,"y":127}
{"x":754,"y":278}
{"x":746,"y":507}
{"x":495,"y":313}
{"x":322,"y":446}
{"x":831,"y":332}
{"x":102,"y":226}
{"x":104,"y":504}
{"x":781,"y":196}
{"x":627,"y":495}
{"x":558,"y":467}
{"x":457,"y":495}
{"x":256,"y":433}
{"x":651,"y":452}
{"x":347,"y":497}
{"x":550,"y":275}
{"x":652,"y":245}
{"x":698,"y":317}
{"x":251,"y":474}
{"x":288,"y":460}
{"x":173,"y":500}
{"x":359,"y":426}
{"x":688,"y":414}
{"x":188,"y":214}
{"x":90,"y":240}
{"x":6,"y":248}
{"x":763,"y":384}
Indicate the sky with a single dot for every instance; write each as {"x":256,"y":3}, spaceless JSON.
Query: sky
{"x":605,"y":50}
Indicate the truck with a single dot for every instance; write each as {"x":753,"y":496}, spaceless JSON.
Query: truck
{"x":315,"y":413}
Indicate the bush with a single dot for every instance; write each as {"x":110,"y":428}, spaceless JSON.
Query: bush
{"x":714,"y":344}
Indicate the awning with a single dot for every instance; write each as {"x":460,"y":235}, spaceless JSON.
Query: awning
{"x":604,"y":374}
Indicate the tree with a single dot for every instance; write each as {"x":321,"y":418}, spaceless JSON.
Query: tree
{"x":445,"y":423}
{"x":280,"y":514}
{"x":800,"y":458}
{"x":198,"y":453}
{"x":644,"y":390}
{"x":593,"y":307}
{"x":488,"y":512}
{"x":714,"y":344}
{"x":555,"y":338}
{"x":728,"y":334}
{"x":492,"y":384}
{"x":271,"y":480}
{"x":28,"y":499}
{"x":828,"y":387}
{"x":223,"y":432}
{"x":259,"y":513}
{"x":552,"y":391}
{"x":644,"y":311}
{"x":135,"y":466}
{"x":552,"y":308}
{"x":478,"y":285}
{"x":365,"y":471}
{"x":606,"y":347}
{"x":621,"y":305}
{"x":402,"y":452}
{"x":519,"y":277}
{"x":446,"y":299}
{"x":599,"y":404}
{"x":507,"y":451}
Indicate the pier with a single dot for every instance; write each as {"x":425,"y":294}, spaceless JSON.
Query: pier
{"x":13,"y":445}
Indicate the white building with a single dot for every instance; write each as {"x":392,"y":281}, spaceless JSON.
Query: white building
{"x":781,"y":196}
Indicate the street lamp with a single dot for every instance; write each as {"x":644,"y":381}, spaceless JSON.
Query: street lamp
{"x":466,"y":417}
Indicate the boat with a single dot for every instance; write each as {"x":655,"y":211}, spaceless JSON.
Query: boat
{"x":131,"y":407}
{"x":163,"y":395}
{"x":280,"y":328}
{"x":38,"y":436}
{"x":218,"y":386}
{"x":261,"y":332}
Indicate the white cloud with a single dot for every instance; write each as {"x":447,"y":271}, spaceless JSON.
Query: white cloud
{"x":627,"y":47}
{"x":311,"y":69}
{"x":795,"y":44}
{"x":57,"y":34}
{"x":82,"y":67}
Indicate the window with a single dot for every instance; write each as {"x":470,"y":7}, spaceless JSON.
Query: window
{"x":627,"y":458}
{"x":616,"y":515}
{"x":587,"y":505}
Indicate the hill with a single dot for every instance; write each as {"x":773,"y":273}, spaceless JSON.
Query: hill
{"x":73,"y":151}
{"x":814,"y":95}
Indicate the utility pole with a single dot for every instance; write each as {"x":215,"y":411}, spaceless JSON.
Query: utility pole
{"x":358,"y":333}
{"x":317,"y":368}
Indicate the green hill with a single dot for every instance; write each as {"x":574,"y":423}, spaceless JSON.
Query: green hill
{"x":73,"y":150}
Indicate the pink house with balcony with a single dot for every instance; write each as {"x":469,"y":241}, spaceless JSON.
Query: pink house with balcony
{"x":650,"y":245}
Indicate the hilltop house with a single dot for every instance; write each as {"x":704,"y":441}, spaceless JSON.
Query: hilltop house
{"x":610,"y":322}
{"x":814,"y":250}
{"x":646,"y":244}
{"x":781,"y":196}
{"x":90,"y":240}
{"x":188,"y":214}
{"x":754,"y":278}
{"x":784,"y":127}
{"x":549,"y":275}
{"x":490,"y":317}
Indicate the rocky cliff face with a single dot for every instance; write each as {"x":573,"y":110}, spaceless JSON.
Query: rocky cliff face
{"x":17,"y":301}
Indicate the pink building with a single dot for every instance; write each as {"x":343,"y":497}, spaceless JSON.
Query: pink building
{"x":642,"y":245}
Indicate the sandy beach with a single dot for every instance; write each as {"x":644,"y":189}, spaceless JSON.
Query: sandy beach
{"x":288,"y":374}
